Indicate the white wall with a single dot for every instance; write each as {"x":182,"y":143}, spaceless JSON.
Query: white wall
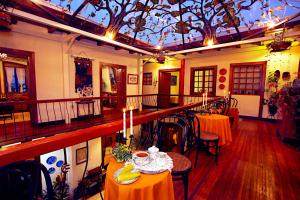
{"x":55,"y":77}
{"x":248,"y":105}
{"x":54,"y":63}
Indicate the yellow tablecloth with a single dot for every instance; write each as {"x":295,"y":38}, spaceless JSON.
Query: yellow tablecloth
{"x":218,"y":124}
{"x":147,"y":187}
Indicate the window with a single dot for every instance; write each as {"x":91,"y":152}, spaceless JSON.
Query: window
{"x":247,"y":78}
{"x":15,"y":78}
{"x":147,"y":78}
{"x":203,"y":79}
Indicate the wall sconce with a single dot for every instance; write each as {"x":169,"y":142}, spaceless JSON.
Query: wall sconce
{"x":3,"y":56}
{"x":155,"y":81}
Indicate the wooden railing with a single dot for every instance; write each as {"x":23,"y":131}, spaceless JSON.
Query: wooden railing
{"x":44,"y":145}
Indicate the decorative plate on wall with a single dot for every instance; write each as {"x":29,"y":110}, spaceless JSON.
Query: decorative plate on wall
{"x":51,"y":170}
{"x":51,"y":160}
{"x":222,"y":79}
{"x":222,"y":71}
{"x":59,"y":163}
{"x":221,"y":86}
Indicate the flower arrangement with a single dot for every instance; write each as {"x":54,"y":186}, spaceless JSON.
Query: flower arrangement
{"x":121,"y":152}
{"x":272,"y":93}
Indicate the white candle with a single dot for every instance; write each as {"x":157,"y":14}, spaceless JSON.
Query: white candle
{"x":224,"y":94}
{"x":124,"y":123}
{"x":203,"y":99}
{"x":131,"y":121}
{"x":228,"y":94}
{"x":206,"y":98}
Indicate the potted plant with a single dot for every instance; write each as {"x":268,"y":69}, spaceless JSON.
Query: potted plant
{"x":273,"y":96}
{"x":5,"y":19}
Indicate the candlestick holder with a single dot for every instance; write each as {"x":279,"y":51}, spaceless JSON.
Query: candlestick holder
{"x":124,"y":140}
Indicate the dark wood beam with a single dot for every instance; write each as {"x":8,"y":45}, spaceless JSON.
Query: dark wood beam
{"x":77,"y":11}
{"x":99,"y":43}
{"x":57,"y":19}
{"x":117,"y":48}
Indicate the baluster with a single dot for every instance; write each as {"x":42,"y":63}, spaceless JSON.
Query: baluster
{"x":98,"y":106}
{"x":61,"y":113}
{"x":39,"y":111}
{"x":24,"y":124}
{"x":14,"y":121}
{"x":68,"y":117}
{"x":47,"y":113}
{"x":5,"y":133}
{"x":54,"y":111}
{"x":72,"y":107}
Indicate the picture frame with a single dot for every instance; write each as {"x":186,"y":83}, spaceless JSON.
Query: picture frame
{"x":173,"y":80}
{"x":81,"y":155}
{"x":132,"y":79}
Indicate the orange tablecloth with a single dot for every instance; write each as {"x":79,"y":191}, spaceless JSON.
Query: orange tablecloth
{"x":234,"y":112}
{"x":218,"y":124}
{"x":147,"y":187}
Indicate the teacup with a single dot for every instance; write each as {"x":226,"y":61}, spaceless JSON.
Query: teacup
{"x":141,"y":158}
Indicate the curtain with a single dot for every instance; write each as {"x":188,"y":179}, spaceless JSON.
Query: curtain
{"x":9,"y":71}
{"x":83,"y":76}
{"x":21,"y":79}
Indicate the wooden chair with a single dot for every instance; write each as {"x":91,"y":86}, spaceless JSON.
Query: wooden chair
{"x":181,"y":169}
{"x":22,"y":180}
{"x":170,"y":126}
{"x":203,"y":139}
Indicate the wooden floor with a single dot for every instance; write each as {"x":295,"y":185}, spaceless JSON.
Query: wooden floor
{"x":257,"y":165}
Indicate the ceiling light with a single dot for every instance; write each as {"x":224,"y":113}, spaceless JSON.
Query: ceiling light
{"x":210,"y":42}
{"x":3,"y":56}
{"x":271,"y":24}
{"x":110,"y":35}
{"x":158,"y":47}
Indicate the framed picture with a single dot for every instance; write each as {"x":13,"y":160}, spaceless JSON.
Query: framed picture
{"x":132,"y":79}
{"x":81,"y":155}
{"x":173,"y":80}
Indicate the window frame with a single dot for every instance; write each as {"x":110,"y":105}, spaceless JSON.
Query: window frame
{"x":204,"y":68}
{"x":148,"y":77}
{"x":248,"y":64}
{"x":27,"y":75}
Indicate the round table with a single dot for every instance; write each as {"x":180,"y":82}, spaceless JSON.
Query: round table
{"x":147,"y":187}
{"x":218,"y":124}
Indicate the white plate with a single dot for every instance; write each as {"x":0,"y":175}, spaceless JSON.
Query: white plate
{"x":123,"y":182}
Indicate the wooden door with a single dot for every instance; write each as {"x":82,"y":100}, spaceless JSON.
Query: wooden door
{"x":247,"y":83}
{"x":121,"y":88}
{"x":164,"y":90}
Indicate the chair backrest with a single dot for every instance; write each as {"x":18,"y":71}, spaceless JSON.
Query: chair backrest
{"x":167,"y":126}
{"x":22,"y":180}
{"x":233,"y":102}
{"x":194,"y":123}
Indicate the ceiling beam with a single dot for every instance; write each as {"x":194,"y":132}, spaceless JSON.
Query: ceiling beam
{"x":49,"y":14}
{"x":230,"y":44}
{"x":64,"y":27}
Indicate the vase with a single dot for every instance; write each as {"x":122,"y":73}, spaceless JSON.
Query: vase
{"x":272,"y":109}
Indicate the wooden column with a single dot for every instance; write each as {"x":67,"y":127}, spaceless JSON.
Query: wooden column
{"x":181,"y":81}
